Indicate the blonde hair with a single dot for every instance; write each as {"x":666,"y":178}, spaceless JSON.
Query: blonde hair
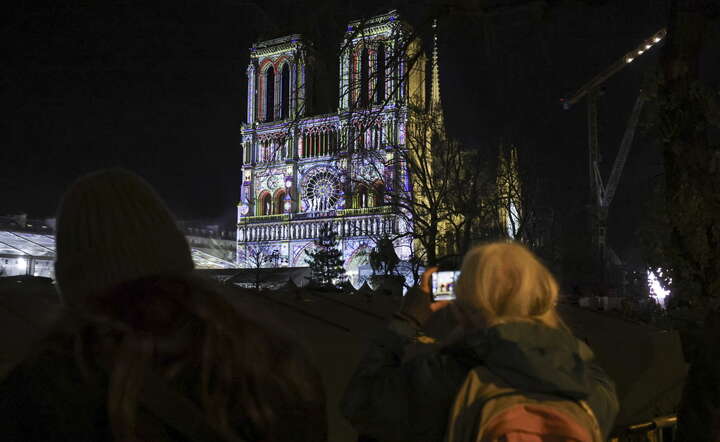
{"x":502,"y":282}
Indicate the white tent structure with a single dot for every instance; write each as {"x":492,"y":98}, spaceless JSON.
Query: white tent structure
{"x":26,"y":254}
{"x":23,"y":253}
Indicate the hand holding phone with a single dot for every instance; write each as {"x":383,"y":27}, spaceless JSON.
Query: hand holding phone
{"x":443,"y":285}
{"x":418,"y":304}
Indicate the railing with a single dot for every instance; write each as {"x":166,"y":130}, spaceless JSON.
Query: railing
{"x":382,"y":210}
{"x":314,"y":215}
{"x":365,"y":211}
{"x":264,"y":218}
{"x":310,"y":228}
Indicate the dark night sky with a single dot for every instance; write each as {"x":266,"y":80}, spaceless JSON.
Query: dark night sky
{"x":159,"y":88}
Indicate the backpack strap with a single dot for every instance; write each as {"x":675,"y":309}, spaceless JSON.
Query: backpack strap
{"x":467,"y":412}
{"x":593,"y":419}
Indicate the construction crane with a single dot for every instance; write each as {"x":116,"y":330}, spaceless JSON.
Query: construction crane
{"x":601,"y":194}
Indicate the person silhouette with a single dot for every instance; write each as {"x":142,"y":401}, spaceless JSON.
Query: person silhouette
{"x":510,"y":352}
{"x":147,"y":349}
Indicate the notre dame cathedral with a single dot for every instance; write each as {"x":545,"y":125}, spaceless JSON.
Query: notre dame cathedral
{"x":302,"y":171}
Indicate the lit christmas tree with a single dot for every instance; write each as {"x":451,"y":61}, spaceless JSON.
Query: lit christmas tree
{"x":325,"y":260}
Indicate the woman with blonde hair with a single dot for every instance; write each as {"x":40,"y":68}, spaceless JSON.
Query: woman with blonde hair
{"x":511,"y":368}
{"x":504,"y":282}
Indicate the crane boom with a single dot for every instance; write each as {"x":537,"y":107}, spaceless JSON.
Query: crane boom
{"x":628,"y":58}
{"x":601,"y":195}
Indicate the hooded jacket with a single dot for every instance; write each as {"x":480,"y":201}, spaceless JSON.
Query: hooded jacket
{"x":394,"y":400}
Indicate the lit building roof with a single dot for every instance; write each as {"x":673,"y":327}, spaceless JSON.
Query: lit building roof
{"x":43,"y":247}
{"x":207,"y":261}
{"x":32,"y":244}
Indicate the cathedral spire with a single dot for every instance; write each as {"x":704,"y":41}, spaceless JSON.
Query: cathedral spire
{"x":435,"y":82}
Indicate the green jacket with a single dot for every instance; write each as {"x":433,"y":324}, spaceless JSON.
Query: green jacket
{"x":397,"y":400}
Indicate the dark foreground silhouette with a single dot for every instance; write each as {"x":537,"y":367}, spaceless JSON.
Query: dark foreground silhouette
{"x":146,"y":350}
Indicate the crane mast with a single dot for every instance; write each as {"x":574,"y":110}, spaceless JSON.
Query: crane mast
{"x":601,"y":194}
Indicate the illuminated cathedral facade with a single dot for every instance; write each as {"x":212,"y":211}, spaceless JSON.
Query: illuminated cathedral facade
{"x":302,"y":171}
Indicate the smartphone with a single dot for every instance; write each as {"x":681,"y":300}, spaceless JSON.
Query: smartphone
{"x":443,"y":285}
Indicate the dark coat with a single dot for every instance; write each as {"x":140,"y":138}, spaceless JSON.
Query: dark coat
{"x":394,"y":400}
{"x":47,"y":397}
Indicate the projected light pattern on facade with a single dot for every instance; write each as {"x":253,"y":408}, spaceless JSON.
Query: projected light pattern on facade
{"x":301,"y":172}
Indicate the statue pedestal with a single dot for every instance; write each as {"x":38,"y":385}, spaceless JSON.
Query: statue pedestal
{"x":390,"y":284}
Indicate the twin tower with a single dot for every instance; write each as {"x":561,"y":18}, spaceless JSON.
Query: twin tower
{"x":303,"y":171}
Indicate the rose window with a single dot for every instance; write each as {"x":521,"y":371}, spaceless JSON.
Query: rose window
{"x":322,"y":191}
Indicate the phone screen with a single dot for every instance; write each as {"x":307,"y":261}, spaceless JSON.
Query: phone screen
{"x":443,"y":285}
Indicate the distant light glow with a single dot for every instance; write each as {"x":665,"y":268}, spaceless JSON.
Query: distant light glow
{"x":656,"y":289}
{"x":629,"y":59}
{"x":648,"y":46}
{"x":640,"y":52}
{"x":657,"y":39}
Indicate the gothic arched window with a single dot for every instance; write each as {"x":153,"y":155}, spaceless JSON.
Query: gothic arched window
{"x":285,"y":92}
{"x":265,"y":204}
{"x":380,"y":85}
{"x":362,"y":197}
{"x":279,"y":203}
{"x":270,"y":94}
{"x":379,"y":195}
{"x":364,"y":77}
{"x":333,"y":142}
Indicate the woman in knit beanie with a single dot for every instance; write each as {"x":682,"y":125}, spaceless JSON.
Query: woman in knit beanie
{"x":146,"y":350}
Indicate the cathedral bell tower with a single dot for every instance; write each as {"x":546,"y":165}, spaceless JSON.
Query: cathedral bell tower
{"x":278,"y":86}
{"x":277,"y":80}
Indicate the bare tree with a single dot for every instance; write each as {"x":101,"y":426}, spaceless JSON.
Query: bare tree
{"x":415,"y":183}
{"x":521,"y":213}
{"x":258,"y":256}
{"x":473,"y":200}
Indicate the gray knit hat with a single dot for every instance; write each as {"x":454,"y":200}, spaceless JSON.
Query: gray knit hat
{"x":111,"y":228}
